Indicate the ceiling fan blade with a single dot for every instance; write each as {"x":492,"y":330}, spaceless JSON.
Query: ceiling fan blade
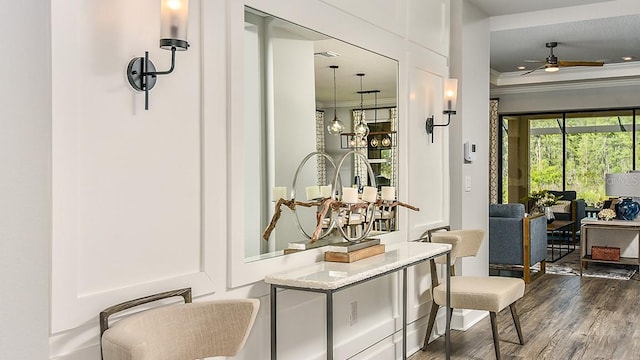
{"x":532,"y":70}
{"x":580,"y":63}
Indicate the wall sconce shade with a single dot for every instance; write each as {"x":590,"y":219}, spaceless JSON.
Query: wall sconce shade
{"x":450,"y":97}
{"x":174,"y":16}
{"x":141,"y":72}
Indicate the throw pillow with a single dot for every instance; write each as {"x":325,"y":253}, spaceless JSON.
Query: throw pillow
{"x":562,"y":206}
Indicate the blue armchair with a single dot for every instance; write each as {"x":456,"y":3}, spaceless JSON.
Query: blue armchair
{"x":515,"y":239}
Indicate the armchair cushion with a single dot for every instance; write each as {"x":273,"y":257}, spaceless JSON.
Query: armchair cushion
{"x":562,"y":206}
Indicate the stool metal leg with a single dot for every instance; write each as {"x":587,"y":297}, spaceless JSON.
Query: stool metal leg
{"x":516,"y":321}
{"x":494,"y":330}
{"x":432,"y":320}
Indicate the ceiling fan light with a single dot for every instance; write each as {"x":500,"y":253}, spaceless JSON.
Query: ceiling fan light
{"x":551,"y":69}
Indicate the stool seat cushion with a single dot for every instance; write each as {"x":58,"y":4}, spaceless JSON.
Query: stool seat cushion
{"x":489,"y":293}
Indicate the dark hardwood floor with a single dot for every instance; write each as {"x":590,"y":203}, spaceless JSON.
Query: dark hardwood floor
{"x":562,"y":317}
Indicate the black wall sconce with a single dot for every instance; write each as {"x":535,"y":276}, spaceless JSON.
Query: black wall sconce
{"x":141,"y":72}
{"x":450,"y":98}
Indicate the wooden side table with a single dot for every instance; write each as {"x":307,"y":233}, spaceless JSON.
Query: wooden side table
{"x":614,"y":230}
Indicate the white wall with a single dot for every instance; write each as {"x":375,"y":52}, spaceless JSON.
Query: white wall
{"x":25,"y":185}
{"x":293,"y":91}
{"x":470,"y":206}
{"x":470,"y":54}
{"x":144,"y":201}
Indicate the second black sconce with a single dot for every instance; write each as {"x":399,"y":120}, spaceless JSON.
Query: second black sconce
{"x":450,"y":98}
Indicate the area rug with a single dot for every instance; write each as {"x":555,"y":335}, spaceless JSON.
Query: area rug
{"x":570,"y":265}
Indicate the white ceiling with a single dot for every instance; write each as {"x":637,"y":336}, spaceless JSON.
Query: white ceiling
{"x":506,"y":7}
{"x":588,"y":30}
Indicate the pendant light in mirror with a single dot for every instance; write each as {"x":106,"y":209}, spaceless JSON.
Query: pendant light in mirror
{"x":336,"y":127}
{"x":386,"y":141}
{"x":375,"y":141}
{"x":361,"y":129}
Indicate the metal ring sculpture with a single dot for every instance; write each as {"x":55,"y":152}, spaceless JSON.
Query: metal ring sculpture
{"x":293,"y":191}
{"x":372,"y":176}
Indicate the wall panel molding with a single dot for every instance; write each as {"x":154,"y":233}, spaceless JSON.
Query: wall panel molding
{"x":126,"y":183}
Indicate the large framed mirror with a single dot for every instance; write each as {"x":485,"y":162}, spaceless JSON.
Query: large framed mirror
{"x":296,"y":81}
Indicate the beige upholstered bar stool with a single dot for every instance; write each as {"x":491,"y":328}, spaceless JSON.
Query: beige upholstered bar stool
{"x":487,"y":293}
{"x":180,"y":331}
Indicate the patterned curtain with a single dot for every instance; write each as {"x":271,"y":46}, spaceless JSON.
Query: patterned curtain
{"x":321,"y":165}
{"x":493,"y":152}
{"x":359,"y":167}
{"x":393,"y":115}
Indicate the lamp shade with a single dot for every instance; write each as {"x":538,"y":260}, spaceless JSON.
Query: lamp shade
{"x":450,"y":95}
{"x":623,"y":184}
{"x":174,"y":16}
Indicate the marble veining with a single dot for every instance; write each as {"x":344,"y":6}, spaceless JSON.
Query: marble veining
{"x":333,"y":275}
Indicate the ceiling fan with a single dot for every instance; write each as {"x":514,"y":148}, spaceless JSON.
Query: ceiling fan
{"x":552,"y":63}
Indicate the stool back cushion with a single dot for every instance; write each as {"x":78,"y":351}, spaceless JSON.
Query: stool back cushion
{"x":464,"y":242}
{"x":183,"y":331}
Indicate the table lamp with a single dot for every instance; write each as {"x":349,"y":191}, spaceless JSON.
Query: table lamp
{"x":627,"y":186}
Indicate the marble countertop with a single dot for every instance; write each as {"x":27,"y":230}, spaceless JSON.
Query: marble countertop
{"x":334,"y":275}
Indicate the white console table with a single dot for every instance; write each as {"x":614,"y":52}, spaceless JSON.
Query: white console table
{"x":590,"y":226}
{"x":330,"y":277}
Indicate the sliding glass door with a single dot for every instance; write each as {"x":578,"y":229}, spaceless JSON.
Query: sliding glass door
{"x":546,"y":145}
{"x":598,"y":143}
{"x":566,"y":151}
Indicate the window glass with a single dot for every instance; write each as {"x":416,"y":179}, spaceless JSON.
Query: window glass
{"x":545,"y":152}
{"x":566,"y":151}
{"x":598,"y":143}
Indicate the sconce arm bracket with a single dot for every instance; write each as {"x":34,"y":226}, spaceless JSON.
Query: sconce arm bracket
{"x":142,"y":74}
{"x":430,"y":122}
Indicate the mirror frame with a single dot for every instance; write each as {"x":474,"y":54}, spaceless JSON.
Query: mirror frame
{"x":343,"y":28}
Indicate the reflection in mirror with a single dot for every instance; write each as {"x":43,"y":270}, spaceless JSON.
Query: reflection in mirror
{"x":291,"y":94}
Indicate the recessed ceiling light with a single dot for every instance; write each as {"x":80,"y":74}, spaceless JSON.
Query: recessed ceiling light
{"x":521,"y":67}
{"x":627,"y":58}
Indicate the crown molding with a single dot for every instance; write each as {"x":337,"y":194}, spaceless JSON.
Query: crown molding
{"x":622,"y":74}
{"x":564,"y":86}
